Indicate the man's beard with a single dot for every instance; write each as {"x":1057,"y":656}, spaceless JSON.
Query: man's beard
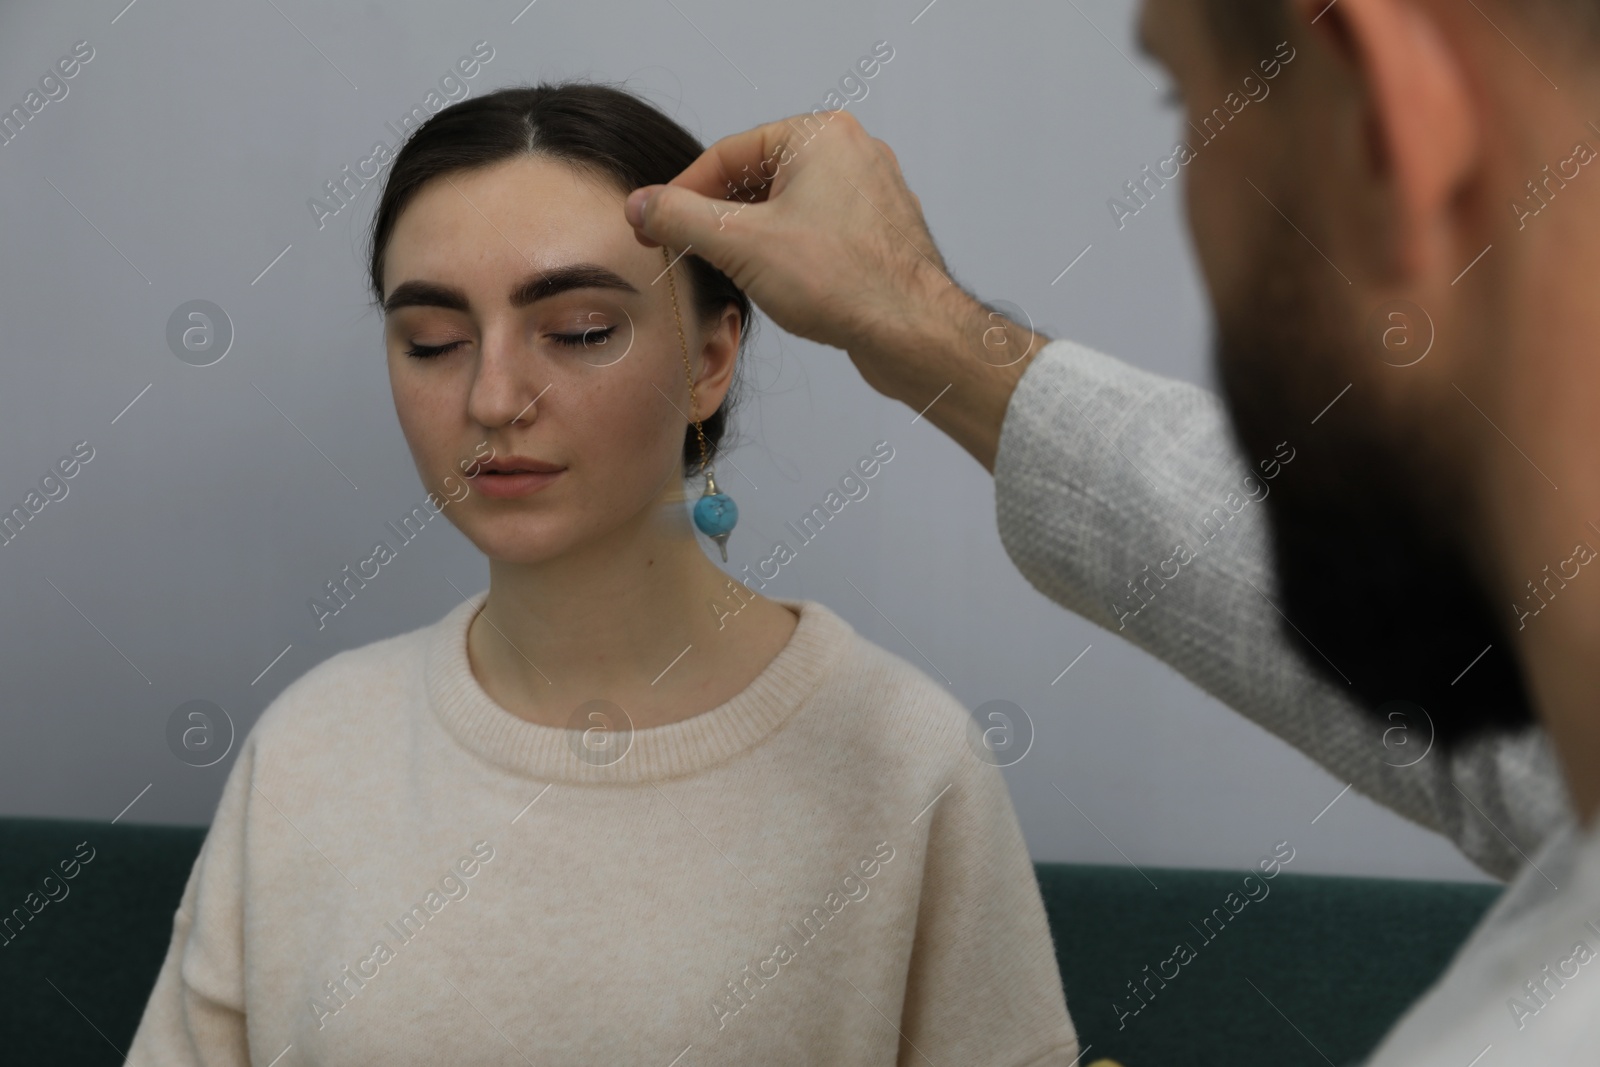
{"x":1367,"y":531}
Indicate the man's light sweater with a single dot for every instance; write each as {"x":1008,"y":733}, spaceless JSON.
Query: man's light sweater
{"x":1103,"y":469}
{"x":820,"y":871}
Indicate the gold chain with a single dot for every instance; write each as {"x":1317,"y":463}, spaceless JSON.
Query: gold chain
{"x":687,"y":371}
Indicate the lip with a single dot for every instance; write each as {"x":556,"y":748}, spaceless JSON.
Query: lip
{"x":536,"y":475}
{"x":505,"y":486}
{"x":520,"y":463}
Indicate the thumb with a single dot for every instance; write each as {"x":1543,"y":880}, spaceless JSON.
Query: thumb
{"x":673,"y":215}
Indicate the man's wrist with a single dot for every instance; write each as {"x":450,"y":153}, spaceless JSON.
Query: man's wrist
{"x":956,"y":361}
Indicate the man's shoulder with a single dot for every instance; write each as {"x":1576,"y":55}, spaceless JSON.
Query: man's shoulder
{"x":1527,"y":980}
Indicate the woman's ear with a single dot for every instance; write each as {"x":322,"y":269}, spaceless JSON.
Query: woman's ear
{"x":719,"y":354}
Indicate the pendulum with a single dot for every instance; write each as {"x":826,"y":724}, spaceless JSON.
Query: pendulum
{"x":715,"y":514}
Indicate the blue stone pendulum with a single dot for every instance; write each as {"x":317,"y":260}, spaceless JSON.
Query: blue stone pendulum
{"x":716,"y":514}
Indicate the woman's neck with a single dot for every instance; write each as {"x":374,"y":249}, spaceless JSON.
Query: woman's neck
{"x":649,"y":624}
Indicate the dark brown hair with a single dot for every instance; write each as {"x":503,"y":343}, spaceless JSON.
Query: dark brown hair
{"x":608,"y":131}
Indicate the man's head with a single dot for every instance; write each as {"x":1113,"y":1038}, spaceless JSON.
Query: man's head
{"x":1385,"y":307}
{"x":1246,"y":27}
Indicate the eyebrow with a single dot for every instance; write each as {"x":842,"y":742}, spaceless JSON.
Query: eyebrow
{"x":536,"y":287}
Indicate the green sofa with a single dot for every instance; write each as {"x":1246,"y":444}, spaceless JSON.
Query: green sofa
{"x":1313,"y":972}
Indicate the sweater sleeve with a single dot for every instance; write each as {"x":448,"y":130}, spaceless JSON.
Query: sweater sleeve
{"x":1102,"y":468}
{"x":983,"y":986}
{"x":195,"y":1015}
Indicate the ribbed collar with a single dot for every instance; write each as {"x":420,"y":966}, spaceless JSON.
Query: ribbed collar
{"x":550,"y":754}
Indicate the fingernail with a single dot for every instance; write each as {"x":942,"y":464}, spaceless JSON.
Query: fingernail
{"x":635,"y":205}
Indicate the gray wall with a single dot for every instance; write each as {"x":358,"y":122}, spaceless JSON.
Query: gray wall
{"x":178,"y":167}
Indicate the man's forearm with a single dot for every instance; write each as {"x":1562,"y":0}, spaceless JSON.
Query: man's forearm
{"x":954,"y":360}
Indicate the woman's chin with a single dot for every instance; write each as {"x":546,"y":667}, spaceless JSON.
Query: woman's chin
{"x":523,"y":542}
{"x":617,"y":527}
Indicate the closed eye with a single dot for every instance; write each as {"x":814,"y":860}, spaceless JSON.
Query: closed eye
{"x":429,"y":351}
{"x":593,"y":335}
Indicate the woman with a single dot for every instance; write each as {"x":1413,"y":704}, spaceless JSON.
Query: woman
{"x":617,"y":808}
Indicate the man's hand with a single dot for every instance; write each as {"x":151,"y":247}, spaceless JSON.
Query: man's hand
{"x":827,"y":239}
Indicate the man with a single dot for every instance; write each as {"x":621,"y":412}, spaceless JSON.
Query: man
{"x":1398,"y":250}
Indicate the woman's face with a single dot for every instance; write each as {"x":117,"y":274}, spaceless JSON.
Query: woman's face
{"x":545,"y":332}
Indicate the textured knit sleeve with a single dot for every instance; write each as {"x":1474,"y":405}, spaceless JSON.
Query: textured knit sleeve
{"x":1102,"y":469}
{"x":195,"y":1014}
{"x":983,"y":986}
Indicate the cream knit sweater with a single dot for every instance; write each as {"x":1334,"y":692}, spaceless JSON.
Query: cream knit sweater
{"x":819,"y":871}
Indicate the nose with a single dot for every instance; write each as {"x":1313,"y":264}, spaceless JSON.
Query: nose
{"x":509,"y":380}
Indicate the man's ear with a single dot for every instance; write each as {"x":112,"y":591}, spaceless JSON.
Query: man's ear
{"x":1422,"y":127}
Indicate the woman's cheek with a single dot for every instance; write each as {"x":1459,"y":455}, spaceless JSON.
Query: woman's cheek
{"x":429,"y":419}
{"x":613,"y":429}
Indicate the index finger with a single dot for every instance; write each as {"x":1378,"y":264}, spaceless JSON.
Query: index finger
{"x":754,"y":153}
